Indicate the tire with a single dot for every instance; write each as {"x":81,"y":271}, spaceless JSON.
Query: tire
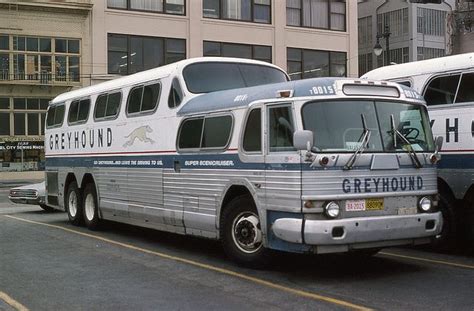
{"x":47,"y":208}
{"x":241,"y":234}
{"x":91,"y":210}
{"x":447,"y":238}
{"x":73,"y":203}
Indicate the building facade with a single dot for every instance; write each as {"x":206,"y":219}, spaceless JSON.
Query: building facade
{"x":307,"y":37}
{"x":417,"y":31}
{"x":464,"y":27}
{"x":48,"y":47}
{"x":45,"y":50}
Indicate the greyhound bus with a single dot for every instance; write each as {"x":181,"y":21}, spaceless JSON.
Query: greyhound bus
{"x":247,"y":157}
{"x":447,"y":84}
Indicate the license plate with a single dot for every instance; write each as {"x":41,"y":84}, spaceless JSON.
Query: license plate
{"x":407,"y":211}
{"x":364,"y":205}
{"x":374,"y":204}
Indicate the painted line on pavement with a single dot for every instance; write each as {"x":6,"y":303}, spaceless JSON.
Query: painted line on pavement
{"x":252,"y":279}
{"x":12,"y":302}
{"x":441,"y":262}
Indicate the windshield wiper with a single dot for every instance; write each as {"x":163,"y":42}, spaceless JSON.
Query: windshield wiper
{"x":364,"y":140}
{"x":413,"y":155}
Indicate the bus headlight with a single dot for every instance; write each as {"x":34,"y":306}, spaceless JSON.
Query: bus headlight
{"x":331,"y":209}
{"x":425,"y":204}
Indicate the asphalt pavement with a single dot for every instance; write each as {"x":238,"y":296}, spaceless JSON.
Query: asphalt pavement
{"x":48,"y":264}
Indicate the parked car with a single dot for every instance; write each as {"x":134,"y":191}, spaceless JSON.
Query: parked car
{"x":30,"y":194}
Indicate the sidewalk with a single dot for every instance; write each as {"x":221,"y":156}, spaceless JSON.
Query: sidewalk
{"x":11,"y":179}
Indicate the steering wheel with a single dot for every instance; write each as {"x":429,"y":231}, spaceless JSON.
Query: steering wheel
{"x":408,"y":130}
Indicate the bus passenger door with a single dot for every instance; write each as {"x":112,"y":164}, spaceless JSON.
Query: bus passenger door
{"x":283,"y":166}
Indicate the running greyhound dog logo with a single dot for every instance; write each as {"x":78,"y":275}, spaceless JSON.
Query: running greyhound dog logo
{"x":140,"y":134}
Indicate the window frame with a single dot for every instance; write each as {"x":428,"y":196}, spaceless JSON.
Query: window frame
{"x":252,"y":47}
{"x":55,"y":106}
{"x":302,"y":62}
{"x":106,"y":118}
{"x":244,"y":128}
{"x":204,"y":117}
{"x":267,"y":126}
{"x":252,"y":13}
{"x":147,"y":112}
{"x":77,"y":122}
{"x":129,"y":8}
{"x":329,"y":14}
{"x":434,"y":77}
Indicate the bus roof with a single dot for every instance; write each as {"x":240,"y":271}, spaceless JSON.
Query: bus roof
{"x":229,"y":99}
{"x":429,"y":66}
{"x":149,"y":75}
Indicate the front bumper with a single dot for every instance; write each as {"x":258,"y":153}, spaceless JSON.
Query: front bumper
{"x":351,"y":233}
{"x":27,"y":200}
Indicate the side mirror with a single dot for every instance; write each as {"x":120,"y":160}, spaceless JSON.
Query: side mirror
{"x":303,"y":140}
{"x":438,"y":143}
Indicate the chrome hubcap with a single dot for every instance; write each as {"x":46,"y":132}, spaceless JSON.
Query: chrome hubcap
{"x":72,"y":204}
{"x":246,"y":232}
{"x":89,"y":206}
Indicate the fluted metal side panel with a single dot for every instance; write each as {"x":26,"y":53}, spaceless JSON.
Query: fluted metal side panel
{"x":283,"y":190}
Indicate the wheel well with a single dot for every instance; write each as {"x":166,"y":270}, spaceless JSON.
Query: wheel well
{"x":233,"y":192}
{"x":87,"y":179}
{"x":445,"y":190}
{"x":469,"y":197}
{"x":69,"y":179}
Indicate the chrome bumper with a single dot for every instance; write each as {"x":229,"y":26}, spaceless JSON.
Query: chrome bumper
{"x":359,"y":232}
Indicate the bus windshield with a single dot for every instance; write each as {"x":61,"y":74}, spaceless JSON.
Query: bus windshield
{"x":211,"y":76}
{"x":342,"y":126}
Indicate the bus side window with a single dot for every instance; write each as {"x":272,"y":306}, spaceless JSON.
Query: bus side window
{"x":143,"y":98}
{"x":190,"y":134}
{"x":216,"y":132}
{"x":281,"y":129}
{"x":79,"y":111}
{"x":441,"y":90}
{"x":107,"y":105}
{"x":253,"y":131}
{"x":466,"y":89}
{"x":176,"y":94}
{"x":55,"y":116}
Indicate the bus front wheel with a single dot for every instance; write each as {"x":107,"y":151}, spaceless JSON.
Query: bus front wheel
{"x":91,"y":214}
{"x":241,"y":233}
{"x":74,"y":204}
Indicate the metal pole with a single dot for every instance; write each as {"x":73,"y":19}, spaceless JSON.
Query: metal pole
{"x":387,"y":40}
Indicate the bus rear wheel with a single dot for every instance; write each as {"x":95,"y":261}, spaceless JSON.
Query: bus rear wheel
{"x":74,"y":204}
{"x":91,"y":212}
{"x":241,"y":233}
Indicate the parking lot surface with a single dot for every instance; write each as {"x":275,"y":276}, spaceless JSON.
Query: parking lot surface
{"x":48,"y":264}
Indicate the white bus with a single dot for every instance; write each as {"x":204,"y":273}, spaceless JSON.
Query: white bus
{"x":318,"y":165}
{"x":447,"y":84}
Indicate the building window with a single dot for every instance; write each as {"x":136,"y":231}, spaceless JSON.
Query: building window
{"x":427,"y":53}
{"x":175,"y":7}
{"x":258,"y":52}
{"x":365,"y":63}
{"x":40,"y":59}
{"x":130,"y":54}
{"x":26,"y":115}
{"x":365,"y":31}
{"x":397,"y":56}
{"x":397,"y":21}
{"x":257,"y":11}
{"x":304,"y":64}
{"x":431,"y":22}
{"x":324,"y":14}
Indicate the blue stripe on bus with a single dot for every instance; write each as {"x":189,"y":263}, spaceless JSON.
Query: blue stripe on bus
{"x":187,"y":161}
{"x":456,"y":161}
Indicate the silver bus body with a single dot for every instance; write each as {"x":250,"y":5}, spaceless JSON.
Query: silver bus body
{"x":145,"y":175}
